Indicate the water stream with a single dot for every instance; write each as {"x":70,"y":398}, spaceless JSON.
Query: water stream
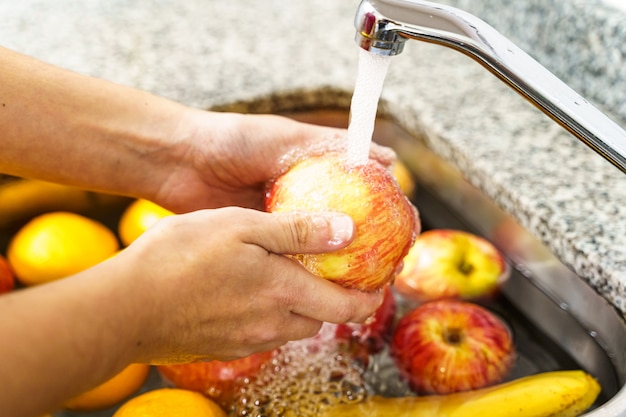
{"x":371,"y":73}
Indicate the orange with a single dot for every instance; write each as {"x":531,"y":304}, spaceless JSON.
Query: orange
{"x":138,"y":217}
{"x":58,"y":244}
{"x":402,"y":174}
{"x":170,"y":402}
{"x":113,"y":391}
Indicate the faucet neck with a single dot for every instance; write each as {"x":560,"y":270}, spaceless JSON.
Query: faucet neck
{"x":383,"y":26}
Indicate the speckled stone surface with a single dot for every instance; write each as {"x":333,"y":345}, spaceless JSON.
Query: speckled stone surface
{"x":211,"y":53}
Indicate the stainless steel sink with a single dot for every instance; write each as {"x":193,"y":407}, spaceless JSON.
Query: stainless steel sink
{"x":559,"y":321}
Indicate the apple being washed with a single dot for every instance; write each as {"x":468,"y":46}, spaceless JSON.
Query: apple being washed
{"x":445,"y":263}
{"x":450,"y":346}
{"x":385,"y":220}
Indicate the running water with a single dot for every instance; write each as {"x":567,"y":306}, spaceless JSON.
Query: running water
{"x":371,"y":73}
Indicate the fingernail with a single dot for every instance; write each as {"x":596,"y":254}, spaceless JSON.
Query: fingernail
{"x":341,"y":228}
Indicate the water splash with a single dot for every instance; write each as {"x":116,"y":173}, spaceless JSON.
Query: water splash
{"x":303,"y":379}
{"x":371,"y":73}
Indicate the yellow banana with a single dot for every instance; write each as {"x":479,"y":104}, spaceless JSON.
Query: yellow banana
{"x":548,"y":394}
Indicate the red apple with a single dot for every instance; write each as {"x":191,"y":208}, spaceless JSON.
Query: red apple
{"x":450,"y":346}
{"x":447,"y":263}
{"x":7,"y":277}
{"x":218,"y":380}
{"x":376,"y":331}
{"x":386,"y":222}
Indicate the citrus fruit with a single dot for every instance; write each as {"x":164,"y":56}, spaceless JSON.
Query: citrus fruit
{"x":7,"y":280}
{"x":58,"y":244}
{"x":170,"y":402}
{"x":138,"y":217}
{"x":113,"y":391}
{"x":405,"y":180}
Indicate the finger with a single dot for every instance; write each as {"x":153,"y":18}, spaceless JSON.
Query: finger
{"x":332,"y":303}
{"x":293,"y":327}
{"x":300,"y":232}
{"x":269,"y":335}
{"x":311,"y":296}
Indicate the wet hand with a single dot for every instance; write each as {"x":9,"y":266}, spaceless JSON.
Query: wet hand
{"x":215,"y":284}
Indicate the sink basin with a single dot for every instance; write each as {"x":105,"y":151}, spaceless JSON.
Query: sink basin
{"x":559,"y":322}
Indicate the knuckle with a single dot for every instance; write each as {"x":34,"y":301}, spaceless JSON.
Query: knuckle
{"x":347,"y":313}
{"x":299,"y":228}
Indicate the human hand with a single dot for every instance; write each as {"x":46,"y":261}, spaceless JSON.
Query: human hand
{"x":214,"y":284}
{"x":227,"y":158}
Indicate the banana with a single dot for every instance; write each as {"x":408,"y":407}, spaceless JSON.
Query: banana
{"x":21,"y":199}
{"x":548,"y":394}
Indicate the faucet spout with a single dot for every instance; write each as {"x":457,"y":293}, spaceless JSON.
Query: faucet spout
{"x":383,"y":26}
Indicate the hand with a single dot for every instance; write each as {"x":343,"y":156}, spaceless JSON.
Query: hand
{"x":228,"y":158}
{"x":214,"y":284}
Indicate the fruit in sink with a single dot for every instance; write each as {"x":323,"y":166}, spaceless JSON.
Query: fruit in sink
{"x":376,"y":331}
{"x":22,"y":199}
{"x":448,"y":346}
{"x":445,"y":263}
{"x":385,"y":220}
{"x":111,"y":392}
{"x":7,"y":279}
{"x":216,"y":379}
{"x":554,"y":394}
{"x":170,"y":402}
{"x":58,"y":244}
{"x":402,"y":174}
{"x":138,"y":217}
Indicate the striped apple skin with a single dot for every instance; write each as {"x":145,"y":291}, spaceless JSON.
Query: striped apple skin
{"x":386,"y":222}
{"x":447,"y":346}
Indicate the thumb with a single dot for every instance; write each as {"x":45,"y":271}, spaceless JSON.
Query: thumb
{"x":302,"y":232}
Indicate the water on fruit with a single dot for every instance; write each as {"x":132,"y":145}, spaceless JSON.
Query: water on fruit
{"x":371,"y":73}
{"x":306,"y":376}
{"x":302,"y":379}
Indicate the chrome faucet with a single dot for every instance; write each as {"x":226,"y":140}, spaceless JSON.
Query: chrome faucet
{"x":383,"y":26}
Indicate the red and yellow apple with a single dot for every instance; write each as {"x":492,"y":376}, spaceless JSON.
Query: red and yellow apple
{"x":445,"y":263}
{"x":7,"y":277}
{"x":386,"y":222}
{"x":449,"y":346}
{"x":218,"y":380}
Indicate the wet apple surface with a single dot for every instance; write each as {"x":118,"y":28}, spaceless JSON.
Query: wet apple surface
{"x":219,"y":381}
{"x":447,"y":263}
{"x":385,"y":221}
{"x":447,"y":346}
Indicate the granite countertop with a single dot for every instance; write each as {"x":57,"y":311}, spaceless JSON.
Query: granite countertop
{"x":211,"y":53}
